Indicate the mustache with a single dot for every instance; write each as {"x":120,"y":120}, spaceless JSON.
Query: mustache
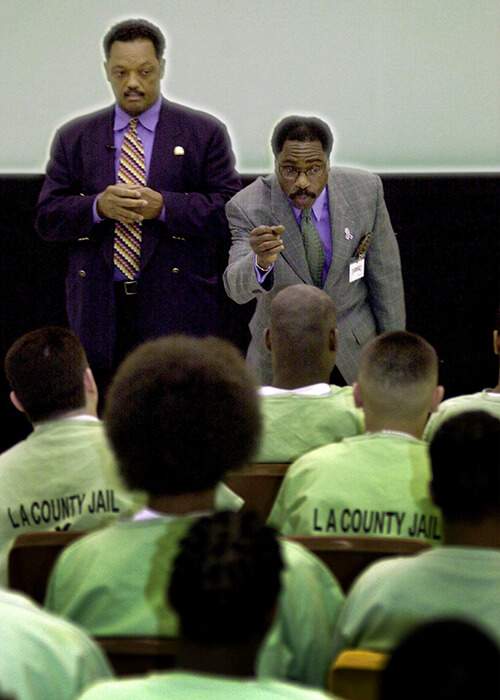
{"x":300,"y":192}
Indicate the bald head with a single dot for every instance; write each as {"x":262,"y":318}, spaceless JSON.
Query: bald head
{"x":301,"y":334}
{"x":398,"y":376}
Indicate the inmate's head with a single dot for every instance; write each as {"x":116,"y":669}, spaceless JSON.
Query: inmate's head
{"x":134,"y":63}
{"x":448,"y":659}
{"x":180,"y":413}
{"x":465,"y":459}
{"x":302,"y":327}
{"x":46,"y":370}
{"x":398,"y":376}
{"x":302,"y":147}
{"x":226,"y":579}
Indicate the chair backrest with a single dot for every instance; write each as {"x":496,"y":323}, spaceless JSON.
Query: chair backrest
{"x":355,"y":674}
{"x":138,"y":655}
{"x":32,"y":557}
{"x":347,"y":557}
{"x":258,"y":485}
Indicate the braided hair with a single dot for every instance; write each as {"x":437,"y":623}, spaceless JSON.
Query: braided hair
{"x":226,"y":579}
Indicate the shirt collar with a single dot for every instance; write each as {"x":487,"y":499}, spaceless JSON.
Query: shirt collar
{"x":149,"y":514}
{"x":148,"y":119}
{"x":320,"y":389}
{"x":319,"y":208}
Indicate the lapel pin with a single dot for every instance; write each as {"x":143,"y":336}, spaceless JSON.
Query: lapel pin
{"x":348,"y":234}
{"x":178,"y":151}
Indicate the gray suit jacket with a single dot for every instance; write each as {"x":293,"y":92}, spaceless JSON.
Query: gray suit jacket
{"x":370,"y":305}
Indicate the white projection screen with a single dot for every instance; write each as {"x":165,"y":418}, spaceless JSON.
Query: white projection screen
{"x":407,"y":85}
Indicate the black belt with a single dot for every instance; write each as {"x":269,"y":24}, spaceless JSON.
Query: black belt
{"x":127,"y":287}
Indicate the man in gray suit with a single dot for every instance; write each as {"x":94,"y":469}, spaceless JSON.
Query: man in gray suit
{"x":312,"y":224}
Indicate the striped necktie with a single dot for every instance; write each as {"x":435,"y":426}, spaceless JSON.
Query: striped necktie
{"x":131,"y":170}
{"x":315,"y":254}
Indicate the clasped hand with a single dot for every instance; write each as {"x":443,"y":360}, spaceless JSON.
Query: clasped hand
{"x":129,"y":204}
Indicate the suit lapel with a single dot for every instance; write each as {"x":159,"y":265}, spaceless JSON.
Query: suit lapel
{"x":341,"y":217}
{"x":164,"y":164}
{"x":102,"y":156}
{"x":165,"y":169}
{"x":102,"y":152}
{"x":294,"y":252}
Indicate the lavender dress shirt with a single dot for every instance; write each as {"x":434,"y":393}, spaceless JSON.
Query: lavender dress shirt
{"x":321,"y":217}
{"x":146,"y":127}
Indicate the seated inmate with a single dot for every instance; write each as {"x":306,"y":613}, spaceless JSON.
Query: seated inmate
{"x":485,"y":400}
{"x":376,"y":484}
{"x":63,"y":475}
{"x":224,"y":589}
{"x":43,"y":656}
{"x":180,"y":413}
{"x":460,"y":578}
{"x":302,"y":410}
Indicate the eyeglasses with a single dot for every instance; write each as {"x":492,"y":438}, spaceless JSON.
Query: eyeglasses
{"x":288,"y":172}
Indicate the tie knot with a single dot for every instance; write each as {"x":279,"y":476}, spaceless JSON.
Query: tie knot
{"x":306,"y":214}
{"x":132,"y":125}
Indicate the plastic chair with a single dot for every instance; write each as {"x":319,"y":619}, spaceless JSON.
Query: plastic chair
{"x":347,"y":557}
{"x":355,"y":674}
{"x":32,"y":557}
{"x":258,"y":484}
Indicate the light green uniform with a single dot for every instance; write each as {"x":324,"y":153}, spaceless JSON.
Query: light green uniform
{"x":389,"y":599}
{"x":63,"y":475}
{"x":375,"y":484}
{"x":114,"y":582}
{"x":295,"y":422}
{"x":481,"y":401}
{"x":190,"y":686}
{"x":43,"y":657}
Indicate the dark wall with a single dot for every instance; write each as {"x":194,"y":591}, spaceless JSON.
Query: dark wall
{"x":448,"y":232}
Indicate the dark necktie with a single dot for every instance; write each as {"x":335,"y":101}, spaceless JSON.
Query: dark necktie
{"x":315,"y":254}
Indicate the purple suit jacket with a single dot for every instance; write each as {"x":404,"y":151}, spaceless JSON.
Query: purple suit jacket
{"x":179,"y":281}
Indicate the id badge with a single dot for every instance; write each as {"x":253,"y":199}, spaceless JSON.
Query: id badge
{"x":357,"y":270}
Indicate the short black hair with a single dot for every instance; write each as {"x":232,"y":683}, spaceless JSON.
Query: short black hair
{"x":296,"y":128}
{"x":180,"y":413}
{"x":398,"y":358}
{"x":448,"y":659}
{"x":45,"y":369}
{"x":132,"y":29}
{"x":398,"y":372}
{"x":226,"y":579}
{"x":465,"y":467}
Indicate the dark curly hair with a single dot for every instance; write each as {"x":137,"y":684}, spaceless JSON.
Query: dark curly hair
{"x":180,"y":413}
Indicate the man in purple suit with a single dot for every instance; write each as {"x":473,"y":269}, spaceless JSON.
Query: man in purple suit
{"x":137,"y":191}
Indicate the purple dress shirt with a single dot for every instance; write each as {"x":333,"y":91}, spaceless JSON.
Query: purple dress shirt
{"x":321,"y":217}
{"x":146,"y":127}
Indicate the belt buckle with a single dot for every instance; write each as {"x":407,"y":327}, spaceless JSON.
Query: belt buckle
{"x":130,"y":288}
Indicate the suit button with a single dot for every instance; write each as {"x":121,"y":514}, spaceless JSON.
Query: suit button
{"x":82,"y":273}
{"x":175,"y":270}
